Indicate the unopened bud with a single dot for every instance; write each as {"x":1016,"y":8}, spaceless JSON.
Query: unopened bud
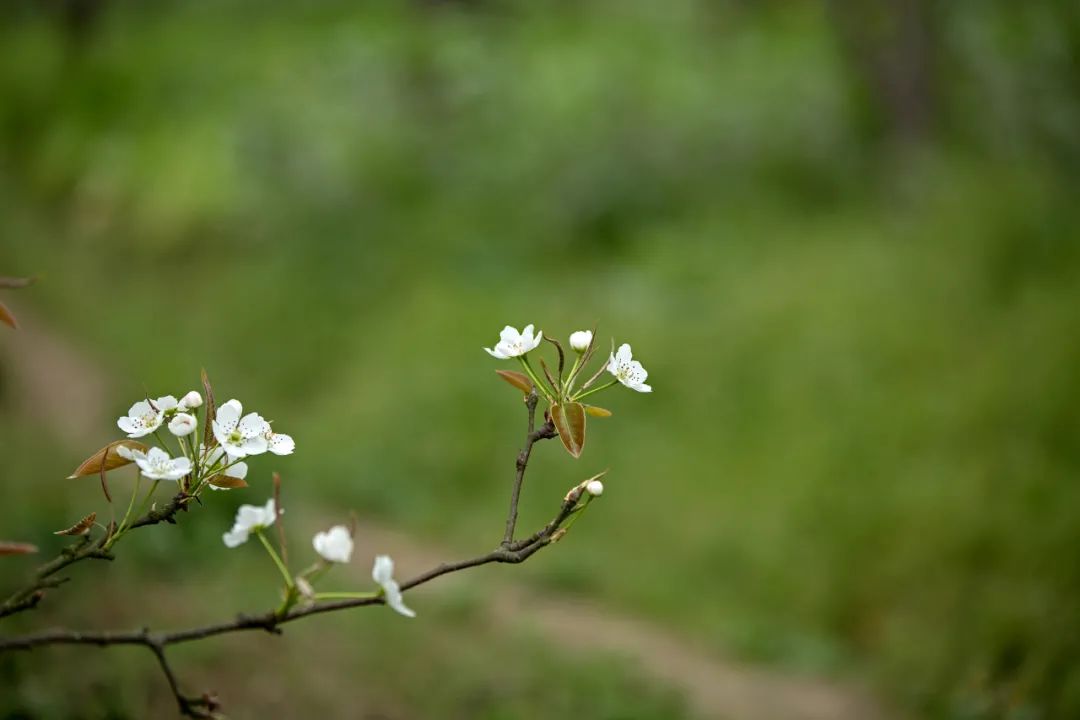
{"x":190,"y":401}
{"x":595,"y":488}
{"x":581,"y":340}
{"x":183,"y":424}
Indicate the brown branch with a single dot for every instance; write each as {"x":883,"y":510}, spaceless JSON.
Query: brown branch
{"x":206,"y":706}
{"x":531,"y":436}
{"x":84,"y":549}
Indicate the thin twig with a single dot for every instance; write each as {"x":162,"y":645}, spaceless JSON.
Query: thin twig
{"x":531,"y":436}
{"x":84,"y":549}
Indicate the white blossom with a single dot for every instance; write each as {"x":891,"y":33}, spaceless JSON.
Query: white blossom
{"x":156,"y":464}
{"x":145,"y":416}
{"x":334,"y":545}
{"x":627,"y":370}
{"x":240,"y":436}
{"x":250,"y":518}
{"x":514,"y":344}
{"x":581,"y":340}
{"x":383,"y":574}
{"x":182,"y":424}
{"x":595,"y":488}
{"x":190,"y":401}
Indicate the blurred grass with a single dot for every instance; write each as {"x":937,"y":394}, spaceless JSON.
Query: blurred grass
{"x":861,"y":453}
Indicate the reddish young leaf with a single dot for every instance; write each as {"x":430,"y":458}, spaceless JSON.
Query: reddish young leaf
{"x":93,"y":464}
{"x":80,"y":528}
{"x":569,"y":420}
{"x":597,"y":411}
{"x":16,"y":548}
{"x":225,"y":481}
{"x":7,"y":318}
{"x":211,"y":410}
{"x":519,"y":380}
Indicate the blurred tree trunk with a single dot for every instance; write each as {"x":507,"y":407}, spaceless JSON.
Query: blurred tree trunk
{"x":891,"y":47}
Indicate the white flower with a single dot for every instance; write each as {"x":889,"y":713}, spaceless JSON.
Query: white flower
{"x":279,"y":443}
{"x":190,"y":401}
{"x":217,"y":462}
{"x":145,"y":416}
{"x":156,"y":464}
{"x":595,"y":488}
{"x":627,"y":370}
{"x":334,"y":545}
{"x":248,"y":519}
{"x":383,"y":573}
{"x":182,"y":424}
{"x":581,"y":340}
{"x":240,"y":436}
{"x":513,"y":344}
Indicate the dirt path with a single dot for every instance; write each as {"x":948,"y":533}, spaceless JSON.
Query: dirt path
{"x":714,"y":687}
{"x":54,"y":385}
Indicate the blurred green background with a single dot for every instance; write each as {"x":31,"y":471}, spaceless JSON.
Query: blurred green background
{"x":842,"y":237}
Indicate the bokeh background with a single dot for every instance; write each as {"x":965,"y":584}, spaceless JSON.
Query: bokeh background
{"x":842,"y":236}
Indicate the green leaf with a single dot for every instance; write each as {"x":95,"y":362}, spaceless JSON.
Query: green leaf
{"x":93,"y":464}
{"x":519,"y":380}
{"x":597,"y":411}
{"x":569,"y":420}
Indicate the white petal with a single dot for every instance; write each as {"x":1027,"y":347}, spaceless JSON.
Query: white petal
{"x":232,"y":407}
{"x":643,"y":388}
{"x":238,"y":471}
{"x":128,"y":425}
{"x":235,"y":537}
{"x":253,"y":424}
{"x":509,"y":334}
{"x":254,"y":445}
{"x":140,"y":408}
{"x":539,"y":338}
{"x":496,"y":353}
{"x":182,"y":464}
{"x":383,"y":570}
{"x":624,"y":355}
{"x":281,"y":444}
{"x":393,"y":599}
{"x":165,"y":403}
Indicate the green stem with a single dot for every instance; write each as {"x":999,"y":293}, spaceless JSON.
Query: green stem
{"x":276,"y":558}
{"x":346,"y":595}
{"x":594,"y":390}
{"x":573,"y":372}
{"x":536,"y":381}
{"x":131,"y":503}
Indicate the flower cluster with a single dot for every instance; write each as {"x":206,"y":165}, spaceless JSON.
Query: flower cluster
{"x":621,"y":364}
{"x":561,"y":389}
{"x":218,"y":465}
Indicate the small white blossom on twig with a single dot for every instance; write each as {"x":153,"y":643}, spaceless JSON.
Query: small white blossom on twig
{"x":595,"y":488}
{"x":383,"y":574}
{"x":627,"y":370}
{"x":249,"y":518}
{"x":183,"y":424}
{"x":240,"y":436}
{"x":146,"y":416}
{"x":514,"y":344}
{"x":156,"y":464}
{"x":334,"y":545}
{"x":190,"y":401}
{"x":581,"y":340}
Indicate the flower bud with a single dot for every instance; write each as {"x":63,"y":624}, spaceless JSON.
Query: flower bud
{"x":182,"y":424}
{"x":595,"y":488}
{"x":580,"y":340}
{"x":190,"y":401}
